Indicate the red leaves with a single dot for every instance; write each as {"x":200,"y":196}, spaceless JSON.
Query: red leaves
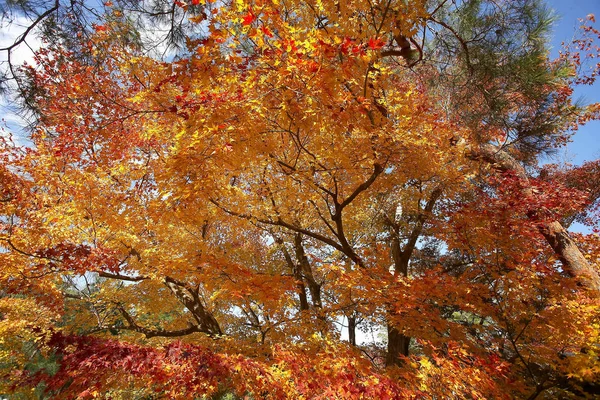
{"x":375,"y":43}
{"x":86,"y":362}
{"x":584,"y":182}
{"x":249,"y":18}
{"x":349,"y":46}
{"x":78,"y":258}
{"x":181,"y":370}
{"x":507,"y":213}
{"x":178,"y":370}
{"x":266,"y":31}
{"x":100,"y":28}
{"x":583,"y":53}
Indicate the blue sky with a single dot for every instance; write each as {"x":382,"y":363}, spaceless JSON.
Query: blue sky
{"x":586,"y":142}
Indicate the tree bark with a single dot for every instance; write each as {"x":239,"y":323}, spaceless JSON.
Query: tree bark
{"x":191,"y":300}
{"x":573,"y":261}
{"x":352,"y":330}
{"x":297,"y":272}
{"x":398,"y":343}
{"x":313,"y":286}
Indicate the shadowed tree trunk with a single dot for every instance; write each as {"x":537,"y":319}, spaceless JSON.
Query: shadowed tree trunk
{"x":352,"y":330}
{"x":313,"y":286}
{"x":297,"y":272}
{"x":398,"y":343}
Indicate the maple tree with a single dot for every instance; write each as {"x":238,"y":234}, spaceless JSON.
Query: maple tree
{"x":212,"y":222}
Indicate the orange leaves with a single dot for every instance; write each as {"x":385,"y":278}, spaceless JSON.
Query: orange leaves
{"x":458,"y":373}
{"x":225,"y":214}
{"x":333,"y":371}
{"x":23,"y":321}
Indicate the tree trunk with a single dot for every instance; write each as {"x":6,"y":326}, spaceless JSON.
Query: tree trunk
{"x":352,"y":330}
{"x":297,"y":272}
{"x":397,"y":346}
{"x":191,"y":300}
{"x":573,"y":261}
{"x":313,"y":286}
{"x":398,"y":343}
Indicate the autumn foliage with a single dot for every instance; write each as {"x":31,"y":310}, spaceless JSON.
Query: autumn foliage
{"x":313,"y":199}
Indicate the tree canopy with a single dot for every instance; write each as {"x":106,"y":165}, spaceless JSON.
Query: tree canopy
{"x":299,"y":199}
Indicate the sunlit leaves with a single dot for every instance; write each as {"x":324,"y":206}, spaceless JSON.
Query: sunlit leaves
{"x":214,"y":222}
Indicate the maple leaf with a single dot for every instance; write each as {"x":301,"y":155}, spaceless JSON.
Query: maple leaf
{"x":100,"y":28}
{"x":249,"y":18}
{"x":266,"y":31}
{"x":375,"y":43}
{"x":219,"y":219}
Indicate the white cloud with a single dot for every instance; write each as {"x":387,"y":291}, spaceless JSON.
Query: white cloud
{"x":9,"y":34}
{"x":20,"y":54}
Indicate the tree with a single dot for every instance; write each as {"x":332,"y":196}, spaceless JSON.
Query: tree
{"x":205,"y":224}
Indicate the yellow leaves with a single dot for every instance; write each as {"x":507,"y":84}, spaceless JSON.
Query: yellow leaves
{"x":210,"y":170}
{"x":23,"y":320}
{"x":240,"y":5}
{"x":425,"y":364}
{"x":19,"y":312}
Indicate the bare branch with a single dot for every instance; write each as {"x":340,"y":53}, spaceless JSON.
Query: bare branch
{"x":280,"y":222}
{"x":149,"y":333}
{"x":39,"y":19}
{"x":110,"y":275}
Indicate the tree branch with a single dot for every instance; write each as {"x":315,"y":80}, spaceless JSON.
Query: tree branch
{"x":377,"y":170}
{"x":573,"y":261}
{"x":39,"y":19}
{"x":280,"y":222}
{"x":110,"y":275}
{"x":149,"y":333}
